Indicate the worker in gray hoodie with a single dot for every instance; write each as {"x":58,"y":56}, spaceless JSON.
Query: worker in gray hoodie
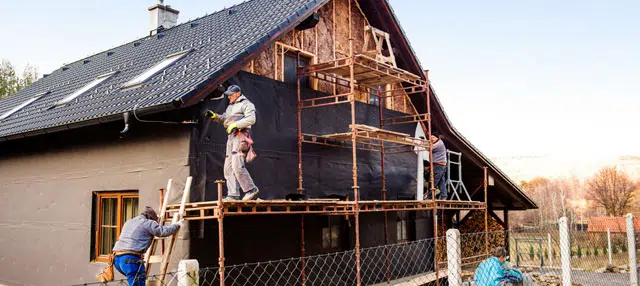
{"x":135,"y":237}
{"x":237,"y":119}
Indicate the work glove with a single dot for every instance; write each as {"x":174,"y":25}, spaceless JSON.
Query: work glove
{"x":231,"y":127}
{"x":180,"y":223}
{"x":211,"y":114}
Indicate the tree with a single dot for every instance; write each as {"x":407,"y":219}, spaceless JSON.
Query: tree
{"x":11,"y":81}
{"x":531,"y":252}
{"x":613,"y":190}
{"x":579,"y":253}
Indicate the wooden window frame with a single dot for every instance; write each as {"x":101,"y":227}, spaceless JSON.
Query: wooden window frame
{"x":99,"y":196}
{"x":378,"y":89}
{"x":281,"y":49}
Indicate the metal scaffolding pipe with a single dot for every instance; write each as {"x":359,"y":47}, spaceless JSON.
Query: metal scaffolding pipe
{"x":299,"y":111}
{"x":486,"y":213}
{"x":220,"y":211}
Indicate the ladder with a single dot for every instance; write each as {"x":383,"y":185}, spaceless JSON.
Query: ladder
{"x":379,"y":39}
{"x":454,"y":161}
{"x":164,"y":258}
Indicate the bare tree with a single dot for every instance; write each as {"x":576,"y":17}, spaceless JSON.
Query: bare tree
{"x":612,"y":189}
{"x":555,"y":197}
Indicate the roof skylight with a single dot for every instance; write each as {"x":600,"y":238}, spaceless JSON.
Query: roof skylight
{"x":170,"y":59}
{"x":85,"y":88}
{"x":23,"y":105}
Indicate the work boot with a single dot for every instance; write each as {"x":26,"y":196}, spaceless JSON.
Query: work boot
{"x":428,"y":194}
{"x":250,"y":195}
{"x":230,"y":198}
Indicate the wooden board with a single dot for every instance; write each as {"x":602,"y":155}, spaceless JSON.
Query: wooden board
{"x":369,"y":134}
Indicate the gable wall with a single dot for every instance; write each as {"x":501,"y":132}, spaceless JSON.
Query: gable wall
{"x":329,"y":40}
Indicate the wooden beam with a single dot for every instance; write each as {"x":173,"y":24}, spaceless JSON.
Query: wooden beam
{"x":506,"y":233}
{"x":495,"y":216}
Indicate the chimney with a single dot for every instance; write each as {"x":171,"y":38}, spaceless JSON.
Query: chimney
{"x":162,"y":15}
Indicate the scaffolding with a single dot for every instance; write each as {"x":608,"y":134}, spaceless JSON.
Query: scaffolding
{"x":356,"y":73}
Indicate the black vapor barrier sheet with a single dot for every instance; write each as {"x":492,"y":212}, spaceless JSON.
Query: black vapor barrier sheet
{"x":327,"y":171}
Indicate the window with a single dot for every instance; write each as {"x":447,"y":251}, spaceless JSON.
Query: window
{"x":170,"y":59}
{"x":98,"y":80}
{"x":290,"y":69}
{"x":401,"y":231}
{"x":332,"y":234}
{"x":112,"y":210}
{"x":23,"y":105}
{"x":374,"y":95}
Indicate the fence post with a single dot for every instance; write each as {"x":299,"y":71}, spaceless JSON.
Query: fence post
{"x":188,"y":273}
{"x":565,"y":251}
{"x":631,"y":247}
{"x":454,"y":262}
{"x":517,"y":254}
{"x":609,"y":245}
{"x":549,"y":250}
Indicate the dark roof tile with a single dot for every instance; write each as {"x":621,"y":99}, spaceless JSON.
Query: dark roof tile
{"x":219,"y":41}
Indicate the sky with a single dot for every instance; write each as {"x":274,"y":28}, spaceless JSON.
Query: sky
{"x":550,"y":82}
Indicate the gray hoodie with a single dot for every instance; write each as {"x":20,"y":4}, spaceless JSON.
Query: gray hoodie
{"x":242,"y":113}
{"x":138,"y":232}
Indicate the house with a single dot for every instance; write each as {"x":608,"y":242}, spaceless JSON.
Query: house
{"x":83,"y":148}
{"x":611,"y":224}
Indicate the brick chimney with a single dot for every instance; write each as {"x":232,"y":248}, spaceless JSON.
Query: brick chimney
{"x":162,"y":16}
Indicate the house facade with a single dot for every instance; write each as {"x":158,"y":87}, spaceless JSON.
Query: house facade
{"x":87,"y":146}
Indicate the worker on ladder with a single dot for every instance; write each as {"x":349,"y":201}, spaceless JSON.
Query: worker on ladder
{"x":237,"y":119}
{"x":136,"y":236}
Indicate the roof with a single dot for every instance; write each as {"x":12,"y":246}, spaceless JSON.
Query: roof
{"x":218,"y":42}
{"x":614,"y":224}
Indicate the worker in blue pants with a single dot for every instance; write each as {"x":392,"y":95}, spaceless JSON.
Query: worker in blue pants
{"x":136,"y":236}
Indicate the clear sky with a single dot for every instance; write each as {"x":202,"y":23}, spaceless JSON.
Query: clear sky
{"x":539,"y":78}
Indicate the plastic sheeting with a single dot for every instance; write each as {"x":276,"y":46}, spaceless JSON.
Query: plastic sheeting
{"x":326,"y":170}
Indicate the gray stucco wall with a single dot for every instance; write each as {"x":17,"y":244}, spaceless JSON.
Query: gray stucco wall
{"x":46,"y":196}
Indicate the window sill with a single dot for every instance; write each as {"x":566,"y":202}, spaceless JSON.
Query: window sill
{"x":101,"y":259}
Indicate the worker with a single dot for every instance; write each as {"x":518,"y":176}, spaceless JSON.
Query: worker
{"x":237,"y":119}
{"x":496,"y":271}
{"x":136,"y":236}
{"x":439,"y":153}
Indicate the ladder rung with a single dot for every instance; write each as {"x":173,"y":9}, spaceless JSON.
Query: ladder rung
{"x":155,"y":259}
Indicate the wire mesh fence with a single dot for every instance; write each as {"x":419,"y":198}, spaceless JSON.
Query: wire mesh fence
{"x":534,"y":256}
{"x":171,"y":278}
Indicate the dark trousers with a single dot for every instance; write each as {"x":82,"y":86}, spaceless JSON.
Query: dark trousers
{"x":131,"y":266}
{"x":440,"y":179}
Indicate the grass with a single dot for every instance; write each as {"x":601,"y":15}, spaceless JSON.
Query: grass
{"x":582,"y":251}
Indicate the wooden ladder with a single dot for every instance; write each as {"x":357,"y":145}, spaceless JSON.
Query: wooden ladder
{"x":168,"y":242}
{"x":379,"y":39}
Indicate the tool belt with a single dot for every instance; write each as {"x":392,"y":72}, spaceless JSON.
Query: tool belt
{"x":107,"y":273}
{"x":123,"y":252}
{"x":247,"y":144}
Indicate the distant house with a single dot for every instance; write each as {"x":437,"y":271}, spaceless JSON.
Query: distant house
{"x":614,"y":224}
{"x":85,"y":147}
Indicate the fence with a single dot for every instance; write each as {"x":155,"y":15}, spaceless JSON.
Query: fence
{"x":553,"y":254}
